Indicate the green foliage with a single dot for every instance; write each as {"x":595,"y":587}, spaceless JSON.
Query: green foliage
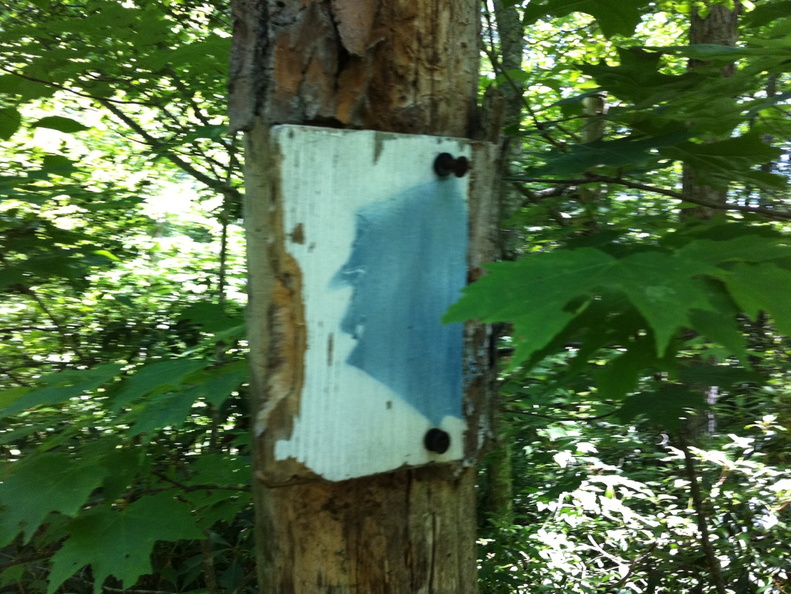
{"x":119,"y":542}
{"x":123,"y":380}
{"x":613,"y":16}
{"x":632,"y":327}
{"x":646,"y":338}
{"x":691,"y":281}
{"x":626,"y":525}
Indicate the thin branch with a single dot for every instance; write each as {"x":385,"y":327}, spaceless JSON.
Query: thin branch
{"x":528,"y":108}
{"x":70,"y":90}
{"x":105,"y":588}
{"x":209,"y":570}
{"x":536,"y":198}
{"x":761,"y":210}
{"x":553,"y":418}
{"x":207,"y":180}
{"x":636,"y":563}
{"x":592,"y":179}
{"x":15,"y":378}
{"x":70,"y":336}
{"x":189,"y":488}
{"x":20,"y":560}
{"x":223,"y":271}
{"x":700,"y":513}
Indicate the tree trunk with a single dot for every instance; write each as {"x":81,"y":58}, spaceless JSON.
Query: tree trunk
{"x":719,"y":26}
{"x":407,"y":66}
{"x":503,"y":107}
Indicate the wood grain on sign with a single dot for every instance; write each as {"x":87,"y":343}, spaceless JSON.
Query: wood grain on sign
{"x":379,"y":244}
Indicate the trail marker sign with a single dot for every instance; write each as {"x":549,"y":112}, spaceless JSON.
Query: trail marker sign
{"x":377,"y":225}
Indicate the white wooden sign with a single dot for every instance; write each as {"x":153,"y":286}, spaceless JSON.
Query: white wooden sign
{"x":380,"y":238}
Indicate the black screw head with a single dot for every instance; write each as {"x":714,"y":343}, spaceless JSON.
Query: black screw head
{"x":445,"y":164}
{"x":436,"y":440}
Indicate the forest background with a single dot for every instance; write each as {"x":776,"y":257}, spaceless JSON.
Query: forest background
{"x":643,"y":299}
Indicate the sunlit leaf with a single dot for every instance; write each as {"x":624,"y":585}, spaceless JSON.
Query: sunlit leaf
{"x":60,"y":124}
{"x":615,"y":17}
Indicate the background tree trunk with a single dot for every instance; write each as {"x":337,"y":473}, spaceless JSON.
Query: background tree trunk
{"x":503,"y":105}
{"x":719,"y":26}
{"x":407,"y":66}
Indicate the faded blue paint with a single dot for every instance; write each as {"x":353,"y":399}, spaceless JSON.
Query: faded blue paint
{"x":408,"y":265}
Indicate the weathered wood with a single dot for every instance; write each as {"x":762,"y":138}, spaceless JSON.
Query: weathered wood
{"x":379,"y":242}
{"x":406,"y":66}
{"x":394,"y":65}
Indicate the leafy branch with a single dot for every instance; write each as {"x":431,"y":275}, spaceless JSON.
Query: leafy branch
{"x":68,"y":89}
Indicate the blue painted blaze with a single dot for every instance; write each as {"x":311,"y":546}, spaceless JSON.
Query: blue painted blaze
{"x":408,"y":265}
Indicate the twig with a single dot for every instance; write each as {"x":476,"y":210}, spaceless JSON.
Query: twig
{"x":636,"y":563}
{"x":536,"y":198}
{"x":14,"y":377}
{"x":70,"y":336}
{"x":69,"y":90}
{"x":20,"y":560}
{"x":209,"y":571}
{"x":700,"y":513}
{"x":154,"y":142}
{"x":188,"y":488}
{"x":551,"y":418}
{"x":769,"y":212}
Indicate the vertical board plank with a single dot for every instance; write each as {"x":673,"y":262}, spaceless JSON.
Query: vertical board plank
{"x":381,"y":244}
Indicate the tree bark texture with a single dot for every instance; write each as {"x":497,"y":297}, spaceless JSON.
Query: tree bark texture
{"x":407,"y":66}
{"x":502,"y":111}
{"x":719,"y":26}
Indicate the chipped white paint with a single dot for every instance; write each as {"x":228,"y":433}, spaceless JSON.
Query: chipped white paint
{"x":355,"y":203}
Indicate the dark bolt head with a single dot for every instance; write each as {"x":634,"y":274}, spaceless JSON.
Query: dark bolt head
{"x":445,"y":164}
{"x":436,"y":440}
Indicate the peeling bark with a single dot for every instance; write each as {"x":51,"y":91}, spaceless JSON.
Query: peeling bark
{"x":397,"y":65}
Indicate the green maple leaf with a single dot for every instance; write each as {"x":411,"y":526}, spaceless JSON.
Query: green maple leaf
{"x":664,"y":289}
{"x":119,"y":543}
{"x":620,"y":376}
{"x":621,"y":153}
{"x":535,"y":294}
{"x":44,"y":483}
{"x":541,"y":294}
{"x":762,"y":287}
{"x":155,"y":378}
{"x":720,"y":163}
